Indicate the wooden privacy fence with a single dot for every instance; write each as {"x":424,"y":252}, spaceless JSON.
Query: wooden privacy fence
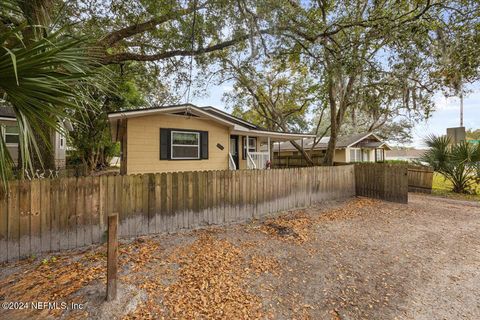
{"x":382,"y":181}
{"x":295,"y":161}
{"x":49,"y":215}
{"x":420,"y":179}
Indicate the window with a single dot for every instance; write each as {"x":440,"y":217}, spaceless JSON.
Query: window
{"x":10,"y":134}
{"x":185,"y":145}
{"x":355,"y":155}
{"x":252,"y":145}
{"x":61,"y":141}
{"x":379,"y":155}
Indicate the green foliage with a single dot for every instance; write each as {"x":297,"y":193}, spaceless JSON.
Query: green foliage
{"x":274,"y":95}
{"x":473,"y":134}
{"x":457,"y":163}
{"x":44,"y":79}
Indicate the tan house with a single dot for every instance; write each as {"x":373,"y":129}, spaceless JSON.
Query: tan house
{"x":186,"y":137}
{"x":363,"y":147}
{"x":9,"y":132}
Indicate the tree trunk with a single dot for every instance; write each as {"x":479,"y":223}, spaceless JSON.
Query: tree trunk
{"x":305,"y":155}
{"x":330,"y":153}
{"x":45,"y":160}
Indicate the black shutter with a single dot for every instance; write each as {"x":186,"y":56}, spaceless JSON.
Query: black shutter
{"x":164,"y":144}
{"x":204,"y":144}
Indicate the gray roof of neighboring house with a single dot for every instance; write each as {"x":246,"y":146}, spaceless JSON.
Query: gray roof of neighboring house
{"x":7,"y":112}
{"x":405,"y":153}
{"x":343,"y":142}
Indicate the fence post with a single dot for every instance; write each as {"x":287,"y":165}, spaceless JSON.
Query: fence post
{"x":112,"y":253}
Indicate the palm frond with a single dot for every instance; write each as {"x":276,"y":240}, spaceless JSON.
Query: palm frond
{"x":45,"y":83}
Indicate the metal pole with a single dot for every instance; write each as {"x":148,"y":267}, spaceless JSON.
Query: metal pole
{"x":461,"y":106}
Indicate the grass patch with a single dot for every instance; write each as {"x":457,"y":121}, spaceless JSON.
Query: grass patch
{"x":442,"y":187}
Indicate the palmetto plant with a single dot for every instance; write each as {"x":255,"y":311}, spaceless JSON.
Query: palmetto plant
{"x":44,"y":79}
{"x":458,"y":163}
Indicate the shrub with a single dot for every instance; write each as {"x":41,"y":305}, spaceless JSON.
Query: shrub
{"x":458,"y":163}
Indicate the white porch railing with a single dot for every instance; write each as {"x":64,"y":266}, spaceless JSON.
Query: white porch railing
{"x":259,"y":159}
{"x":250,"y":163}
{"x":231,"y":162}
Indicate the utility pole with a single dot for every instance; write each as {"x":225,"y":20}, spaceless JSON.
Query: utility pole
{"x":461,"y":101}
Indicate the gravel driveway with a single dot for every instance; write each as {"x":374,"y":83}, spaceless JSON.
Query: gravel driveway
{"x":360,"y":259}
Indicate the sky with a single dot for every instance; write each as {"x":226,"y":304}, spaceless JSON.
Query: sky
{"x":446,"y":115}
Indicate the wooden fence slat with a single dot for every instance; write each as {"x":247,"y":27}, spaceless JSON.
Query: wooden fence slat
{"x":151,"y":204}
{"x":87,"y":211}
{"x":174,"y":215}
{"x":137,"y":221}
{"x":169,"y":202}
{"x":71,"y":221}
{"x":180,"y":202}
{"x":145,"y":203}
{"x":35,"y":220}
{"x":24,"y":202}
{"x":45,"y":215}
{"x":96,"y":213}
{"x":158,"y":203}
{"x":13,"y":221}
{"x":3,"y":224}
{"x":79,"y":212}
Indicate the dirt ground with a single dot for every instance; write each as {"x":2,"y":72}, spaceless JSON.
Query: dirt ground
{"x":360,"y":259}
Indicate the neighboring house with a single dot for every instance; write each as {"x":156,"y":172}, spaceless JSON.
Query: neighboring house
{"x":186,"y":137}
{"x":405,"y":154}
{"x":364,"y":147}
{"x":9,"y":132}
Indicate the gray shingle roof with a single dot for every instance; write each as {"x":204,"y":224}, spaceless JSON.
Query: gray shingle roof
{"x":342,"y":142}
{"x":7,"y":112}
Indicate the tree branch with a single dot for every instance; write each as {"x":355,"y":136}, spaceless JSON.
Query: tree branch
{"x":118,"y":35}
{"x":130,"y":56}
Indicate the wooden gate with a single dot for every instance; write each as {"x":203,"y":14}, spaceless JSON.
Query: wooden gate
{"x":420,"y":179}
{"x":382,"y":181}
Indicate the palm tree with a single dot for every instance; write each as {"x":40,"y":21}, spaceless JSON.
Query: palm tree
{"x":456,"y":162}
{"x":44,"y":78}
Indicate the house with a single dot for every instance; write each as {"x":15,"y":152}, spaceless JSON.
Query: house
{"x":363,"y":147}
{"x":404,"y":154}
{"x":187,"y":137}
{"x":9,"y":132}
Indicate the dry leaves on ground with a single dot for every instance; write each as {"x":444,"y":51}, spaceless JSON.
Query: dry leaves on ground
{"x":293,"y":226}
{"x":350,"y":209}
{"x":56,"y":279}
{"x":263,"y":264}
{"x":210,"y":283}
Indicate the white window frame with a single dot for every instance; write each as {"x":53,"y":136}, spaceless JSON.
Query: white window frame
{"x":4,"y":135}
{"x":357,"y":151}
{"x":61,"y":141}
{"x":184,"y":145}
{"x":377,"y":151}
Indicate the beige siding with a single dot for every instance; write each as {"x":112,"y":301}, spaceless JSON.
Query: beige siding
{"x":143,"y":144}
{"x":340,"y":156}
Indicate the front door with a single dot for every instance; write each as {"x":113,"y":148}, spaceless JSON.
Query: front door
{"x":234,"y":149}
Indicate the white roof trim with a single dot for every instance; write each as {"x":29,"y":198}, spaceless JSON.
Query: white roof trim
{"x":271,"y":134}
{"x":227,"y":115}
{"x":140,"y":113}
{"x":7,"y":119}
